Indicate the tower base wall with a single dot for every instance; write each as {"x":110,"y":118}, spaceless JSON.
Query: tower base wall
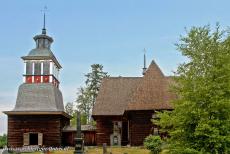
{"x":22,"y":130}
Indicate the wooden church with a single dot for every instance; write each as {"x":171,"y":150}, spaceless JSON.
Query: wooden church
{"x":38,"y":117}
{"x":125,"y":106}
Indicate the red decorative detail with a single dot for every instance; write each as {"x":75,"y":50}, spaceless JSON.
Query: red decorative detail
{"x":28,"y":79}
{"x":37,"y":79}
{"x":46,"y":79}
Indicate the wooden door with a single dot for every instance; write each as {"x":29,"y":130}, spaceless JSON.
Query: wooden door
{"x":124,"y":137}
{"x":40,"y":139}
{"x":26,"y":139}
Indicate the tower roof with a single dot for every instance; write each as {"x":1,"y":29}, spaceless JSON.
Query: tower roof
{"x":41,"y":54}
{"x":42,"y":50}
{"x":39,"y":97}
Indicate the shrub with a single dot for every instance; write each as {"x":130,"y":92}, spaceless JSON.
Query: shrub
{"x":3,"y":141}
{"x":153,"y":143}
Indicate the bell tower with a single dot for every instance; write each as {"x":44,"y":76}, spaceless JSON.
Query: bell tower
{"x":38,"y":116}
{"x":40,"y":65}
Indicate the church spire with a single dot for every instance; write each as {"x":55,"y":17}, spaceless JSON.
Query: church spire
{"x":144,"y":68}
{"x":44,"y":21}
{"x":44,"y":25}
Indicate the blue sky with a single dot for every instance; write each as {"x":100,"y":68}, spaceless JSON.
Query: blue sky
{"x":109,"y":32}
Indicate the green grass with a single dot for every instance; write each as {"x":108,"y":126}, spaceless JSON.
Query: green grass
{"x":98,"y":150}
{"x":119,"y":150}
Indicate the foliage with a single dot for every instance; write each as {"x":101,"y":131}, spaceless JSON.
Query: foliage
{"x":87,"y":95}
{"x":84,"y":101}
{"x":69,"y":108}
{"x":94,"y":79}
{"x":153,"y":143}
{"x":73,"y":121}
{"x":3,"y":141}
{"x":200,"y":122}
{"x":164,"y":121}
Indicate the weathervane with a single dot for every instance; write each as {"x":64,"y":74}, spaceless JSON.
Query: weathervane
{"x":44,"y":19}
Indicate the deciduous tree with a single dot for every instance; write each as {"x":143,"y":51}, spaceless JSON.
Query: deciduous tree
{"x":200,"y":122}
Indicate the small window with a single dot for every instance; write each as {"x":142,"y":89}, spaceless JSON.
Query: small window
{"x":46,"y":43}
{"x":40,"y":43}
{"x":46,"y":67}
{"x":29,"y":68}
{"x":37,"y":68}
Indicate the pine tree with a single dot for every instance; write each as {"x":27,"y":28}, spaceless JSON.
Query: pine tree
{"x":94,"y":79}
{"x":87,"y":95}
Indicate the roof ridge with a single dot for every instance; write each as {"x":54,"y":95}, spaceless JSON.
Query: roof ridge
{"x":122,"y":77}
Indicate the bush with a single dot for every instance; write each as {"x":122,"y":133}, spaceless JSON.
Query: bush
{"x":153,"y":143}
{"x":3,"y":141}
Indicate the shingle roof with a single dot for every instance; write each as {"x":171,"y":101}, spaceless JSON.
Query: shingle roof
{"x":153,"y":92}
{"x":41,"y":54}
{"x":150,"y":92}
{"x":39,"y":97}
{"x":114,"y":95}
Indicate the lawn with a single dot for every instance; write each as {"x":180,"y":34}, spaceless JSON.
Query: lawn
{"x":98,"y":150}
{"x":119,"y":150}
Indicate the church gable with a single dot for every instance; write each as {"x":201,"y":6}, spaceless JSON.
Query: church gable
{"x":119,"y":94}
{"x":153,"y":91}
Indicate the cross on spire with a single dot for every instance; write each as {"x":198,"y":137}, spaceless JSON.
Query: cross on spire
{"x":44,"y":20}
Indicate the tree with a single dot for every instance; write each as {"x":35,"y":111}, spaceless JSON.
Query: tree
{"x":73,"y":121}
{"x":69,"y":108}
{"x":85,"y":104}
{"x":200,"y":121}
{"x":94,"y":79}
{"x":87,"y":95}
{"x":153,"y":143}
{"x":3,"y":141}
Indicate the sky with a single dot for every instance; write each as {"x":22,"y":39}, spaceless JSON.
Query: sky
{"x":108,"y":32}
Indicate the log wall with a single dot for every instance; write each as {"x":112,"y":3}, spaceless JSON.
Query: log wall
{"x":89,"y":138}
{"x":50,"y":125}
{"x":140,"y":126}
{"x":104,"y":128}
